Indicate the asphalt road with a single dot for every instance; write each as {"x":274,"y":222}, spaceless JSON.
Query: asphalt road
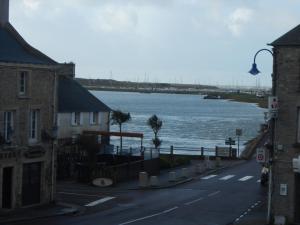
{"x":220,"y":198}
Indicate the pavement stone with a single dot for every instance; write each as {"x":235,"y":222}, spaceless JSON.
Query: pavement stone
{"x":37,"y":212}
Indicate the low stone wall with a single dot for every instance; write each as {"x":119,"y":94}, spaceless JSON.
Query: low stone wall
{"x":251,"y":147}
{"x":119,"y":173}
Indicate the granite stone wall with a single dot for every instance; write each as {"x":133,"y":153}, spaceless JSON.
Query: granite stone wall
{"x":287,"y":71}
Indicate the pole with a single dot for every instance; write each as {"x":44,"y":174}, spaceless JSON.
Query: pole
{"x":269,"y":195}
{"x":238,"y":152}
{"x":272,"y":126}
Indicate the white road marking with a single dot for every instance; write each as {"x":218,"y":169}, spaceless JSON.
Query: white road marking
{"x":246,"y":212}
{"x":194,"y":201}
{"x":150,"y":216}
{"x":99,"y":201}
{"x":208,"y":177}
{"x":214,"y":193}
{"x":246,"y":178}
{"x":78,"y":194}
{"x":258,"y":181}
{"x":227,"y":177}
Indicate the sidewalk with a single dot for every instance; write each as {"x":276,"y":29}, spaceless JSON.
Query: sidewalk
{"x":51,"y":210}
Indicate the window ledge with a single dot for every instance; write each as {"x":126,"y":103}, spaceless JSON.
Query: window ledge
{"x":23,"y":97}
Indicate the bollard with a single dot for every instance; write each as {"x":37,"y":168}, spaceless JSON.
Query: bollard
{"x":154,"y":181}
{"x":172,"y":176}
{"x":198,"y":168}
{"x":184,"y":172}
{"x":207,"y":162}
{"x":279,"y":220}
{"x":218,"y":161}
{"x":143,"y":179}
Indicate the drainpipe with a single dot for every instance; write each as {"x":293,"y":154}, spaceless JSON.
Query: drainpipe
{"x":52,"y":194}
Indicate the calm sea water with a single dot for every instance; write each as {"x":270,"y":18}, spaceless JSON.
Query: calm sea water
{"x":188,"y":120}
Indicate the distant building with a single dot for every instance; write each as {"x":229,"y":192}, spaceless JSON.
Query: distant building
{"x":39,"y":102}
{"x":286,"y":193}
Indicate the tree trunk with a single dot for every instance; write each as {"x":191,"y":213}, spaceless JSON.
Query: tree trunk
{"x":121,"y":139}
{"x":155,"y":137}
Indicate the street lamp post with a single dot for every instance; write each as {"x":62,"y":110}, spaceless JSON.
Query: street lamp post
{"x":255,"y":71}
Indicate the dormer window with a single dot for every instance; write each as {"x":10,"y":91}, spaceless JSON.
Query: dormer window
{"x":23,"y":82}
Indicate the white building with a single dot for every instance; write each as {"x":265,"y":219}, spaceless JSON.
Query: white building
{"x":79,"y":110}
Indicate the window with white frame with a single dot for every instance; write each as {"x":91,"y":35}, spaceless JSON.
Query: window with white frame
{"x":93,"y":118}
{"x":23,"y":82}
{"x":33,"y":128}
{"x":8,"y":125}
{"x":76,"y":118}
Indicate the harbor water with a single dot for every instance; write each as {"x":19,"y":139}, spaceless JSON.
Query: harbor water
{"x":189,"y":121}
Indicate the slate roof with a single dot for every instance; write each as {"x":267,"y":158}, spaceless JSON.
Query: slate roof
{"x":291,"y":38}
{"x":72,"y":97}
{"x":14,"y":49}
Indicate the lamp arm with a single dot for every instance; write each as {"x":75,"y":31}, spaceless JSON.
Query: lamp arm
{"x":264,"y":49}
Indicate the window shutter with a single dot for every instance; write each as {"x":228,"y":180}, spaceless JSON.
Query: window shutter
{"x":99,"y":118}
{"x":1,"y":122}
{"x":73,"y":119}
{"x":58,"y":119}
{"x":80,"y":118}
{"x":12,"y":119}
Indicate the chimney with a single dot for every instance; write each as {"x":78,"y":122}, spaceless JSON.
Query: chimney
{"x":4,"y":12}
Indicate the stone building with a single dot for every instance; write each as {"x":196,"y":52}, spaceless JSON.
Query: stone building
{"x":28,"y":109}
{"x":286,"y":188}
{"x":37,"y":96}
{"x":27,"y":116}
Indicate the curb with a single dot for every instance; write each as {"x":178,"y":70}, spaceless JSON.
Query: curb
{"x":67,"y":210}
{"x":162,"y":186}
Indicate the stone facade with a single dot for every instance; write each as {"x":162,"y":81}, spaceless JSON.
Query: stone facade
{"x":287,"y":89}
{"x":21,"y":151}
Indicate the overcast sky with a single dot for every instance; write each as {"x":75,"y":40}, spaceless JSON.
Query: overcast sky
{"x":183,"y":41}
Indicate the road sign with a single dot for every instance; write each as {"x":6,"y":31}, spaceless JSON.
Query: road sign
{"x":273,"y":106}
{"x":238,"y":132}
{"x":223,"y":151}
{"x":229,"y":141}
{"x":260,"y":155}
